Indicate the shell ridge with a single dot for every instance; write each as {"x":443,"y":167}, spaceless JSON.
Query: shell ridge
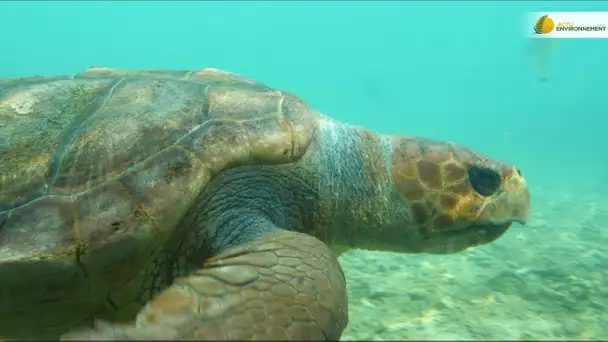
{"x":73,"y":131}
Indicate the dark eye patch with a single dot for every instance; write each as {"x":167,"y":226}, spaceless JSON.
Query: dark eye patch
{"x":484,"y":180}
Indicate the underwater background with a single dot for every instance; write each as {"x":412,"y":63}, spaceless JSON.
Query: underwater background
{"x":458,"y":71}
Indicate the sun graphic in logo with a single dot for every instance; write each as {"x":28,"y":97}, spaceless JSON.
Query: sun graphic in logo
{"x":544,"y":25}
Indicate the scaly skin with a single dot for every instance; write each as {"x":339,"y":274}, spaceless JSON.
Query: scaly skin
{"x":98,"y":171}
{"x":433,"y":177}
{"x":216,"y":201}
{"x":284,"y":286}
{"x":376,"y":212}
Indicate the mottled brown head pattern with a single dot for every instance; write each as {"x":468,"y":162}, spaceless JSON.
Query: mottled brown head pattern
{"x":457,"y":197}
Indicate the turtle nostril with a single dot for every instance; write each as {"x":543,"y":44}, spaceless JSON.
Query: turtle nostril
{"x":519,"y":172}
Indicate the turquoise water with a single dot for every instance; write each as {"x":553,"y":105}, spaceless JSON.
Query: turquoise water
{"x":458,"y":71}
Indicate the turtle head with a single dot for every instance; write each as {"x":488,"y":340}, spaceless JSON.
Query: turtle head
{"x":456,"y":197}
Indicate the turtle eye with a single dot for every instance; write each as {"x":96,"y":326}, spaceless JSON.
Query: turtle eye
{"x":484,"y":180}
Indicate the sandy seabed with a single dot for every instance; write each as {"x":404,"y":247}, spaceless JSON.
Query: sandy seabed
{"x":545,"y":280}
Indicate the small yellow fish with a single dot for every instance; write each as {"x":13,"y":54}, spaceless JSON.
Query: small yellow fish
{"x":540,"y":52}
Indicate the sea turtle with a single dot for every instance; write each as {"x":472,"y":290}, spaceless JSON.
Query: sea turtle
{"x":204,"y":205}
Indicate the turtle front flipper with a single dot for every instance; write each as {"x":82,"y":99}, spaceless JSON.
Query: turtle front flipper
{"x":282,"y":286}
